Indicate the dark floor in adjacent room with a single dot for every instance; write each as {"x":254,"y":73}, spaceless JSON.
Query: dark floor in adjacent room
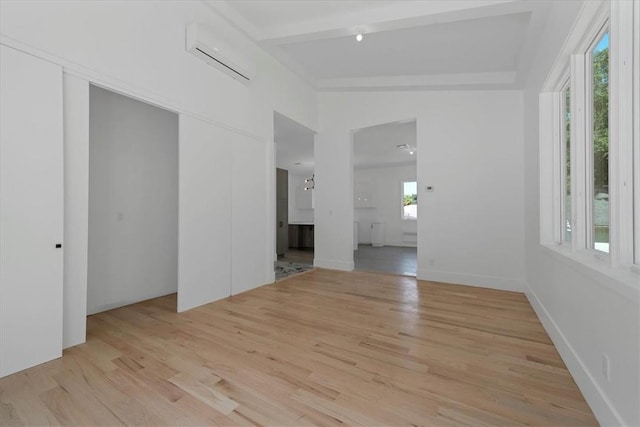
{"x":386,"y":259}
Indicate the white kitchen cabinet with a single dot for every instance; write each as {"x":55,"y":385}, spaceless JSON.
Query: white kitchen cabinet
{"x":377,"y":234}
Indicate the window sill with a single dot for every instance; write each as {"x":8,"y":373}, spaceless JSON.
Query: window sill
{"x":622,"y":280}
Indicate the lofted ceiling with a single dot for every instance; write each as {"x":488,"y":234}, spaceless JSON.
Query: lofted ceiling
{"x":294,"y":146}
{"x":408,"y":44}
{"x":377,"y":146}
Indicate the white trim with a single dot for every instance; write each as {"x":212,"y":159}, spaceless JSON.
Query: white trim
{"x":333,"y":264}
{"x":556,"y":162}
{"x":475,"y":280}
{"x":589,"y":16}
{"x":621,"y":133}
{"x":636,"y":132}
{"x":589,"y":112}
{"x":546,"y":147}
{"x":578,"y":155}
{"x":562,"y":220}
{"x":601,"y":406}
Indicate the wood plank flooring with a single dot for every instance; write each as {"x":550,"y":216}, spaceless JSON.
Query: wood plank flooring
{"x":323,"y":348}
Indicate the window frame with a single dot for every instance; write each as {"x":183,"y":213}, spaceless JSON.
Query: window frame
{"x":636,"y":138}
{"x":563,"y":166}
{"x":621,"y":266}
{"x":589,"y":144}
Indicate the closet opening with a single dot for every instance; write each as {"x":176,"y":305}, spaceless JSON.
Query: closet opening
{"x":133,"y":202}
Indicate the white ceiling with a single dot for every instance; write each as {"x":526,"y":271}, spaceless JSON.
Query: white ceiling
{"x":377,"y":146}
{"x":450,"y":44}
{"x":294,"y":144}
{"x":276,"y":13}
{"x":481,"y":45}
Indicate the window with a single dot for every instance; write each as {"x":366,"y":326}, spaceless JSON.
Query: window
{"x":565,"y":157}
{"x":599,"y":171}
{"x":409,"y":200}
{"x":589,"y":145}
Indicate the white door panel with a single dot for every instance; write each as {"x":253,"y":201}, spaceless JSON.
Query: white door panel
{"x":249,"y":195}
{"x":31,"y":211}
{"x":204,"y":213}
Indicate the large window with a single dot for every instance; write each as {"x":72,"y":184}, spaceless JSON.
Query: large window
{"x":589,"y":144}
{"x":409,"y":200}
{"x":599,"y":191}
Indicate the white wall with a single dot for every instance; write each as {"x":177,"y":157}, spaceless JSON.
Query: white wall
{"x":205,"y":213}
{"x":76,"y":208}
{"x":133,"y":201}
{"x":582,"y":310}
{"x":146,"y":58}
{"x":470,"y":229}
{"x":296,"y":213}
{"x":386,"y":186}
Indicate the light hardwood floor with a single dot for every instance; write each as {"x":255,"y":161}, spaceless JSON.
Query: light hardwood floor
{"x":322,"y":348}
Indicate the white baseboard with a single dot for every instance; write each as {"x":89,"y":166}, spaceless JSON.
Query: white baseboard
{"x":491,"y":282}
{"x":332,"y":264}
{"x":602,"y":408}
{"x":271,"y":277}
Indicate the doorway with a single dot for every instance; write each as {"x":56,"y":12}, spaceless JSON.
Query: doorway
{"x":133,"y":201}
{"x":386,"y":198}
{"x":294,"y":196}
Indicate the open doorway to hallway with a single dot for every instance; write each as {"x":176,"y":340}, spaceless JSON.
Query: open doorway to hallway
{"x":294,"y":196}
{"x":385,"y":198}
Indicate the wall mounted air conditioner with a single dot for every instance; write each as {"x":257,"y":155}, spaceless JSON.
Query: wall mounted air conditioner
{"x":206,"y":46}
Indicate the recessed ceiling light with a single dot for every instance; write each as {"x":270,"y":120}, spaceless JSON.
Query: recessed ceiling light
{"x":411,"y":152}
{"x":359,"y":37}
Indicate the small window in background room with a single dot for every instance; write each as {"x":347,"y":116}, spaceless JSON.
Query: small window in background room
{"x":600,"y":145}
{"x":409,"y":200}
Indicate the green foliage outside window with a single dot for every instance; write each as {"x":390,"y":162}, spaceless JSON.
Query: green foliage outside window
{"x":601,"y":119}
{"x":410,"y":199}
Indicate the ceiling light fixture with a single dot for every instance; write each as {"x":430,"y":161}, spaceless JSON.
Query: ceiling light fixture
{"x":359,"y":37}
{"x":359,"y":34}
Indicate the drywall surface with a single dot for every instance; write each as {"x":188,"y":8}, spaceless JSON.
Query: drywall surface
{"x":205,"y":214}
{"x":470,"y":228}
{"x":133,"y":201}
{"x":76,"y":208}
{"x":146,"y":59}
{"x":386,"y":191}
{"x":583,"y":311}
{"x":300,"y":201}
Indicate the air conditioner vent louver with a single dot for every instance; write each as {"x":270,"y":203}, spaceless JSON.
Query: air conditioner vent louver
{"x":214,"y":51}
